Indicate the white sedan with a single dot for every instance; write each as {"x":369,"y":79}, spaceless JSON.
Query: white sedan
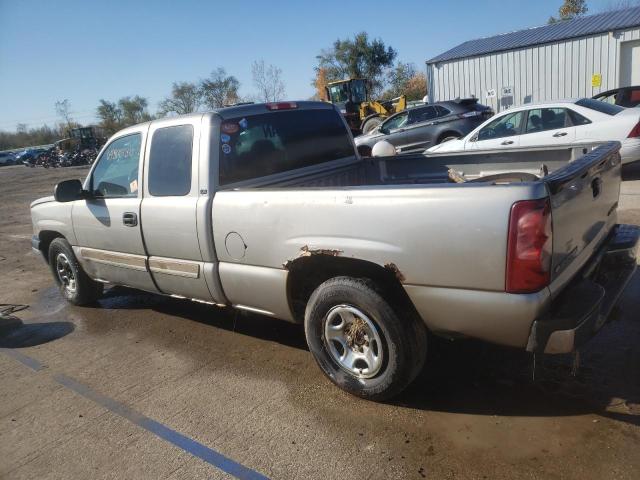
{"x":555,"y":123}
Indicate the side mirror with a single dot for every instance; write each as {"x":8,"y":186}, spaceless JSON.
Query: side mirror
{"x":68,"y":191}
{"x":474,"y":138}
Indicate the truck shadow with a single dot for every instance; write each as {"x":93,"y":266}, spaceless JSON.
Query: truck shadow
{"x":21,"y":335}
{"x":466,"y":377}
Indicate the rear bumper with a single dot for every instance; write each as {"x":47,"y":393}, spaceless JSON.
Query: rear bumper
{"x":583,"y":307}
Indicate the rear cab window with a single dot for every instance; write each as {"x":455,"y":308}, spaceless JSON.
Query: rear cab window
{"x":255,"y":146}
{"x":170,"y":161}
{"x":599,"y":106}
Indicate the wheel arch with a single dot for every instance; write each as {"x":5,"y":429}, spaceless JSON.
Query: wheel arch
{"x":308,"y":273}
{"x":448,"y":133}
{"x":46,"y":237}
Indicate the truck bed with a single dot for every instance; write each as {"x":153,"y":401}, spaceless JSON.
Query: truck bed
{"x":421,"y":169}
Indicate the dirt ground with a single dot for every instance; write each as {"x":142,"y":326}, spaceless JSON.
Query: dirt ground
{"x":201,"y":379}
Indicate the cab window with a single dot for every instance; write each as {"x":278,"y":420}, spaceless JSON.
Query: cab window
{"x":265,"y":144}
{"x":505,"y":126}
{"x":339,"y":93}
{"x":170,"y":161}
{"x":423,"y":114}
{"x":116,"y":173}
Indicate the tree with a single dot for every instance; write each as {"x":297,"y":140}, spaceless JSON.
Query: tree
{"x":268,"y":80}
{"x":219,"y":89}
{"x":569,"y":10}
{"x":404,"y":79}
{"x":358,"y":58}
{"x":110,"y":116}
{"x":398,"y":78}
{"x":134,"y":110}
{"x":320,"y":84}
{"x":63,"y":110}
{"x":185,"y":98}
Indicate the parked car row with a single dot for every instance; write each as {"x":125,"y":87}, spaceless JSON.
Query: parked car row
{"x":555,"y":124}
{"x":464,"y":125}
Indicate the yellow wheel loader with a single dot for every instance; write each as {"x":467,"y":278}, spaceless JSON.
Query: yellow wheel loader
{"x":363,"y":115}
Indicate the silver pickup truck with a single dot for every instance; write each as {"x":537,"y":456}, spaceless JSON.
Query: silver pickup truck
{"x":268,"y":208}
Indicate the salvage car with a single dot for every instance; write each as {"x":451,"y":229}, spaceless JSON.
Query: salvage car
{"x":421,"y":127}
{"x":625,"y":96}
{"x":7,"y":158}
{"x":555,"y":124}
{"x":268,"y":208}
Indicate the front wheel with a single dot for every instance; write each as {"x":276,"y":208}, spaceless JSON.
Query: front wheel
{"x":75,"y":285}
{"x":360,"y":342}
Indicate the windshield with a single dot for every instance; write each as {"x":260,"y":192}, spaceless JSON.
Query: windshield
{"x":339,"y":93}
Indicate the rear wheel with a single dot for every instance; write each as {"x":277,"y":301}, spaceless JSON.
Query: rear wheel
{"x":75,"y":285}
{"x":360,"y":342}
{"x":370,"y":124}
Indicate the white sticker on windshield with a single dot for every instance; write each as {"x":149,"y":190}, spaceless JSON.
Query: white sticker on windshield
{"x":243,"y":123}
{"x":226,"y":148}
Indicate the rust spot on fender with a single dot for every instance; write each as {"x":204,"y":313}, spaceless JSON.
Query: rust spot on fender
{"x":305,"y":251}
{"x":396,"y":271}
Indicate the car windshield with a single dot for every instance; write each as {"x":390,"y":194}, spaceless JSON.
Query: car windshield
{"x":599,"y":106}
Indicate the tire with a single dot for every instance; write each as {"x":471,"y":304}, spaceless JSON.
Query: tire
{"x":447,"y":138}
{"x":370,"y":124}
{"x":75,"y":285}
{"x":395,"y":345}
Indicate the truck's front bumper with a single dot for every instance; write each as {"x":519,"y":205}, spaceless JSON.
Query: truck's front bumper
{"x":583,"y":307}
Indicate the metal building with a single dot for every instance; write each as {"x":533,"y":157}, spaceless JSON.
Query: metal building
{"x":574,"y":58}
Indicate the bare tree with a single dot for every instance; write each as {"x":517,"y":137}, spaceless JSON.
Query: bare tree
{"x":219,"y":89}
{"x":63,"y":110}
{"x":268,"y":80}
{"x":185,"y":98}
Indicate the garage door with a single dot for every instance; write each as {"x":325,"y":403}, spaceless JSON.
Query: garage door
{"x":630,"y":63}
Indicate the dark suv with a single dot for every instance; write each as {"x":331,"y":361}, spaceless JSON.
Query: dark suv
{"x":422,"y":127}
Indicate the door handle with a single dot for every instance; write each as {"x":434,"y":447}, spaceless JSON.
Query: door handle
{"x":130,"y":219}
{"x":507,"y":142}
{"x":559,"y":134}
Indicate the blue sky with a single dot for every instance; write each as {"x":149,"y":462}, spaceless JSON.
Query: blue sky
{"x":87,"y":50}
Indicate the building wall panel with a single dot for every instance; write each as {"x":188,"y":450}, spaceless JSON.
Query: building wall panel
{"x":537,"y":73}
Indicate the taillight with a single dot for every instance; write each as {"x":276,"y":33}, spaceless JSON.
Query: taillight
{"x":529,"y":246}
{"x":282,"y":105}
{"x":635,"y":132}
